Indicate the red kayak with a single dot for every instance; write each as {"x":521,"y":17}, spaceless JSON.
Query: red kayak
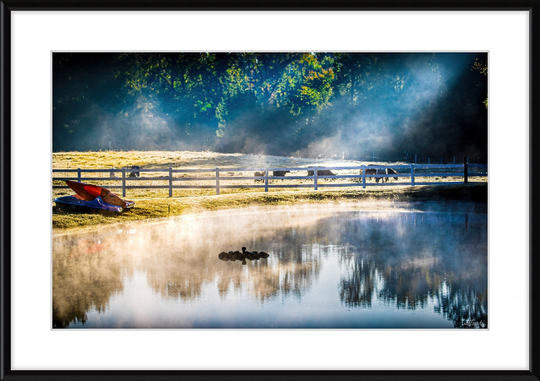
{"x":90,"y":192}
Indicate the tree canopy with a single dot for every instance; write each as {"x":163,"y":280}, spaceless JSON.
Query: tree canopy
{"x":302,"y":104}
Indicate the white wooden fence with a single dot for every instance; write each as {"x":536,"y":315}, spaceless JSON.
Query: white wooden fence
{"x":219,"y":174}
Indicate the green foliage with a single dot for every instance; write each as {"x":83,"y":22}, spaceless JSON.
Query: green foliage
{"x":225,"y":100}
{"x":482,"y":66}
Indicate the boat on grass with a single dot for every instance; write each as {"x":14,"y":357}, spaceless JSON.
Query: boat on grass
{"x":92,"y":198}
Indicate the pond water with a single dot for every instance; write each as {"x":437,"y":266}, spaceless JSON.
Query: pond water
{"x":412,"y":266}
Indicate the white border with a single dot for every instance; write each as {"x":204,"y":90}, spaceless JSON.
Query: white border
{"x":504,"y":34}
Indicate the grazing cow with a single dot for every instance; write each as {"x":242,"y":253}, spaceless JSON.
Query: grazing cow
{"x":375,"y":171}
{"x":135,"y":174}
{"x":321,"y":172}
{"x":257,"y":174}
{"x":325,"y":172}
{"x":370,"y":171}
{"x":279,"y":173}
{"x":390,"y":171}
{"x":381,"y":171}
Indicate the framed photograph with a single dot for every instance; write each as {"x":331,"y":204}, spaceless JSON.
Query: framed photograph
{"x":269,"y":191}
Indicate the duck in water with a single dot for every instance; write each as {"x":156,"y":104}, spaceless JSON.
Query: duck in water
{"x":242,"y":256}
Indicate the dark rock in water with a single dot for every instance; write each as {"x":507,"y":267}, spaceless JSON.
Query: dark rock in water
{"x":243,"y":249}
{"x":223,"y":256}
{"x":263,"y":254}
{"x":256,"y":255}
{"x":255,"y":252}
{"x":244,"y":262}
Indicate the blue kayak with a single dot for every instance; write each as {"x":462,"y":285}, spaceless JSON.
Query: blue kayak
{"x":96,"y":205}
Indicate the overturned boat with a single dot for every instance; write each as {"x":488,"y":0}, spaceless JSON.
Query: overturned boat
{"x":92,"y":198}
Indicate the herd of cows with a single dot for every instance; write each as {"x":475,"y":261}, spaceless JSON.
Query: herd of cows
{"x":327,"y":172}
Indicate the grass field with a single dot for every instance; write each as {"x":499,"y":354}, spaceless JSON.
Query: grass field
{"x":155,"y":203}
{"x":208,"y":160}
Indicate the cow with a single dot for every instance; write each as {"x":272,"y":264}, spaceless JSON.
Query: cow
{"x":279,"y":173}
{"x":259,"y":174}
{"x":321,"y":172}
{"x":380,"y":171}
{"x":390,"y":171}
{"x":375,"y":171}
{"x":135,"y":174}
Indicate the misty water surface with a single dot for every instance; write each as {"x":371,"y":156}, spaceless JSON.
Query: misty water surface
{"x":418,"y":266}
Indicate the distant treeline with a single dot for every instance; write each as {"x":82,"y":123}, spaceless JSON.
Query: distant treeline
{"x":301,"y":104}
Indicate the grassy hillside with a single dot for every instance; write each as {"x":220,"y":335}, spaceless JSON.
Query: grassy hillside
{"x":155,"y":203}
{"x":206,"y":160}
{"x":169,"y":207}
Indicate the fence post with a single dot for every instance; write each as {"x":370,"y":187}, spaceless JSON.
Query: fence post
{"x":266,"y":179}
{"x":465,"y":169}
{"x":170,"y":182}
{"x":217,"y":180}
{"x":78,"y":174}
{"x":123,"y":182}
{"x":315,"y":177}
{"x":364,"y":176}
{"x":412,"y":175}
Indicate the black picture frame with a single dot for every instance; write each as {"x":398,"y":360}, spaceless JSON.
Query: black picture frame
{"x":7,"y":6}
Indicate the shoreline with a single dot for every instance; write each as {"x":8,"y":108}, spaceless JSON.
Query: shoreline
{"x":149,"y":210}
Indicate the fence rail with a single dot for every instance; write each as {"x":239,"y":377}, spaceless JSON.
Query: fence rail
{"x":402,"y":171}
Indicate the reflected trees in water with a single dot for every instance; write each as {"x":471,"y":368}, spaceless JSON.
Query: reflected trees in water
{"x":439,"y":270}
{"x":399,"y":260}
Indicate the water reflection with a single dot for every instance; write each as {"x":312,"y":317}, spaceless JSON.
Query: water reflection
{"x":84,"y":279}
{"x":428,"y":259}
{"x":324,"y":269}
